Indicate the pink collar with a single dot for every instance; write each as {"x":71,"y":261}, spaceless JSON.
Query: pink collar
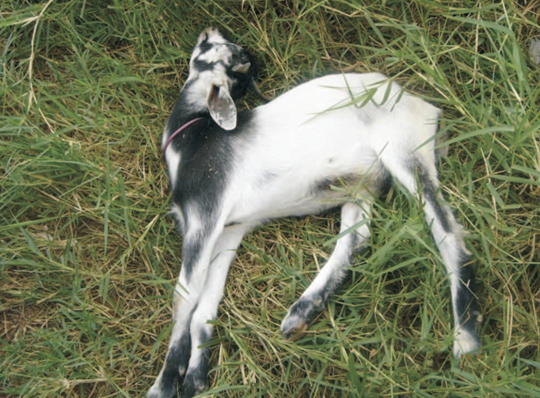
{"x":177,"y":132}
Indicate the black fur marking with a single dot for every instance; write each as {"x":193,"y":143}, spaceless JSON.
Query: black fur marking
{"x":181,"y":115}
{"x":326,"y":185}
{"x":466,"y":305}
{"x":378,"y":180}
{"x":306,"y":310}
{"x":203,"y":66}
{"x":240,"y":81}
{"x":177,"y":357}
{"x":205,"y":46}
{"x":192,"y":249}
{"x":195,"y":380}
{"x":385,"y":179}
{"x":430,"y":194}
{"x":339,"y":181}
{"x":207,"y":152}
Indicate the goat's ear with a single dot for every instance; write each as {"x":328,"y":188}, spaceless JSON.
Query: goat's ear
{"x":205,"y":33}
{"x":222,"y":108}
{"x":242,"y":68}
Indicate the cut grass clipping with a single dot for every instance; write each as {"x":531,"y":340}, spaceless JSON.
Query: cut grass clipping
{"x":89,"y":256}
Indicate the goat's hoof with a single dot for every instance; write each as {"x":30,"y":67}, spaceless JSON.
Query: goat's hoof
{"x":294,"y":333}
{"x":465,"y":342}
{"x":300,"y":316}
{"x":165,"y":385}
{"x":157,"y":392}
{"x":193,"y":384}
{"x":296,"y":322}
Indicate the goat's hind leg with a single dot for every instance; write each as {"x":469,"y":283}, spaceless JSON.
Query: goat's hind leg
{"x":448,"y":235}
{"x":314,"y":299}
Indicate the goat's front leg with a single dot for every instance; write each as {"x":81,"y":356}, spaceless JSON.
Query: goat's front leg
{"x":201,"y":332}
{"x":199,"y":242}
{"x":314,"y":299}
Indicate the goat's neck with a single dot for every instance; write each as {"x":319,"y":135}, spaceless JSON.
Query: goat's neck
{"x":191,"y":104}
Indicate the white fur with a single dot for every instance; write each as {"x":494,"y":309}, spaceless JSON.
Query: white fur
{"x":301,"y":140}
{"x":464,"y":343}
{"x":173,"y":160}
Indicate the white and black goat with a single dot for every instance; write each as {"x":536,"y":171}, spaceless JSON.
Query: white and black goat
{"x":230,"y":173}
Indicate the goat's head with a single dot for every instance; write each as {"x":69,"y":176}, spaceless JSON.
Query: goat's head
{"x":222,"y":73}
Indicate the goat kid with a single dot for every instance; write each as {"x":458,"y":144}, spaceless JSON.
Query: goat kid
{"x":231,"y":172}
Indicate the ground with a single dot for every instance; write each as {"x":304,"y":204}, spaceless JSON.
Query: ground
{"x":89,"y":255}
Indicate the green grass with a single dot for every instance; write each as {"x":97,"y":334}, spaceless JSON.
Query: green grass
{"x":89,"y":256}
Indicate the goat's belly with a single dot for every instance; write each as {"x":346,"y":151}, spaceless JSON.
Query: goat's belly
{"x":261,"y":210}
{"x":295,"y":200}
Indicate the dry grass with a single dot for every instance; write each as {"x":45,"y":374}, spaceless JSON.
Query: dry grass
{"x":88,"y":255}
